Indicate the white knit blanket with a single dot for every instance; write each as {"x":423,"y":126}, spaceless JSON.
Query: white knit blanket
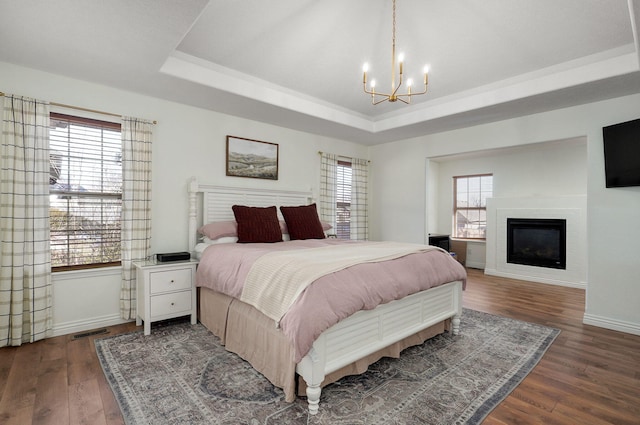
{"x":276,"y":279}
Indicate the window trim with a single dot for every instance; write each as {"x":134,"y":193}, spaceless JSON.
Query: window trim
{"x":456,"y":208}
{"x":85,"y":266}
{"x":87,"y":121}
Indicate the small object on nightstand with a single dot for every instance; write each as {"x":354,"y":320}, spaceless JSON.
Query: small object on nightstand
{"x":164,"y":291}
{"x":172,"y":256}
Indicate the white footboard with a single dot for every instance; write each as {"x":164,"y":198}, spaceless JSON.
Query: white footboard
{"x":371,"y":330}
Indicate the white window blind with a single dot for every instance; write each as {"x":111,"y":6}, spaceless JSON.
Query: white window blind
{"x":85,"y":187}
{"x":344,"y":175}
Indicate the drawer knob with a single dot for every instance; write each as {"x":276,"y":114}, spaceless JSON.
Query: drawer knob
{"x":171,"y":280}
{"x":173,"y":303}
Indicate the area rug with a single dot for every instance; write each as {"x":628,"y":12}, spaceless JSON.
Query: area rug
{"x":180,"y":374}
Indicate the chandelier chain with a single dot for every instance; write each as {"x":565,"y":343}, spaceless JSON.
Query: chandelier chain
{"x":393,"y":38}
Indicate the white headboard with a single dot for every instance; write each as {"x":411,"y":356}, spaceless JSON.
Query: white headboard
{"x":216,"y":201}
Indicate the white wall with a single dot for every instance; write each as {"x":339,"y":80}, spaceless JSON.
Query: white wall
{"x":613,"y":289}
{"x":549,"y":169}
{"x":187,"y":142}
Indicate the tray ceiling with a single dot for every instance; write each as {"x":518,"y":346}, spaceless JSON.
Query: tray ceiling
{"x":298,"y":63}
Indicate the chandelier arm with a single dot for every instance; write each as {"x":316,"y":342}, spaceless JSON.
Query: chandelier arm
{"x":397,"y":88}
{"x":375,"y":92}
{"x":404,"y":101}
{"x":386,"y":98}
{"x":379,"y":94}
{"x":420,"y":92}
{"x":412,"y":94}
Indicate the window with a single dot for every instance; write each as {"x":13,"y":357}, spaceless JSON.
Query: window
{"x":470,"y":205}
{"x":85,"y":188}
{"x":343,"y":200}
{"x":343,"y":195}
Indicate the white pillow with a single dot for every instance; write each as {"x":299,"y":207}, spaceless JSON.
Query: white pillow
{"x":224,"y":239}
{"x":206,"y":242}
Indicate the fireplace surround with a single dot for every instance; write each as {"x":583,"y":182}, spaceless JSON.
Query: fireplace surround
{"x":573,"y":209}
{"x":537,"y":242}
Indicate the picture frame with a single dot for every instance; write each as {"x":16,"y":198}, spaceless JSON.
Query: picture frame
{"x":252,"y":158}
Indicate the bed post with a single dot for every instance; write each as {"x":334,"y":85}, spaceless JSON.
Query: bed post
{"x":455,"y":319}
{"x":455,"y":324}
{"x":193,"y":214}
{"x":311,"y":368}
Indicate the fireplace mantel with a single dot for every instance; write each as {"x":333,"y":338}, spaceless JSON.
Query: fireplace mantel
{"x":571,"y":208}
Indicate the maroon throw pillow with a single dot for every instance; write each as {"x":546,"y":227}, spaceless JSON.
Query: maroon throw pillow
{"x":256,"y":224}
{"x":303,"y":222}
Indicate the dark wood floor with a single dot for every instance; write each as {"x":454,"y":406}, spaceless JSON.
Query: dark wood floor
{"x":588,"y":376}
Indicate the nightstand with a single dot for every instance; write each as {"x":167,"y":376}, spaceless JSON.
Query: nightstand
{"x":165,"y":291}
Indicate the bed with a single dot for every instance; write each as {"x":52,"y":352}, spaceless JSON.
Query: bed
{"x":345,"y":347}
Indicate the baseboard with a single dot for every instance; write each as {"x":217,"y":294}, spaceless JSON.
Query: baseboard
{"x":613,"y":324}
{"x":86,"y":325}
{"x":494,"y":272}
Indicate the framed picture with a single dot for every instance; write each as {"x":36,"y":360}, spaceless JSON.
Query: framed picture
{"x":252,"y":158}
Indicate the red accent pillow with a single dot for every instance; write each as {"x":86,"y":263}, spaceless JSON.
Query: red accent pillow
{"x":303,"y":222}
{"x":256,"y":224}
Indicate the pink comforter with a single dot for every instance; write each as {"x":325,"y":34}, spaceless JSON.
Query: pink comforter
{"x":224,"y":267}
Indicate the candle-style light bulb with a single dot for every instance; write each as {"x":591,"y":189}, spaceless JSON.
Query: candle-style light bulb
{"x":401,"y":60}
{"x":426,"y":74}
{"x":373,"y":84}
{"x":365,"y":68}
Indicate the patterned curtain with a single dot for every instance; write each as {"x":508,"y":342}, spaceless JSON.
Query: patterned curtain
{"x":359,"y":212}
{"x":136,"y":206}
{"x":328,"y":181}
{"x":25,"y":267}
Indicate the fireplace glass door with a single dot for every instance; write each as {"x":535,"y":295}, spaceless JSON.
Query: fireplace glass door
{"x":537,"y":242}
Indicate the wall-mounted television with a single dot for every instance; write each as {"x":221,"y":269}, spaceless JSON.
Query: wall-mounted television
{"x":622,"y":154}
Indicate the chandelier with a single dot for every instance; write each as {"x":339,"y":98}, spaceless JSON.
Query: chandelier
{"x":393,"y":95}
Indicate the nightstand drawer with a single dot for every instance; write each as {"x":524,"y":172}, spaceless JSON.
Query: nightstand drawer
{"x":167,"y":304}
{"x":169,"y":280}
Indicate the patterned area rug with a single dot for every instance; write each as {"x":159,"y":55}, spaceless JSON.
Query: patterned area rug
{"x":180,"y":374}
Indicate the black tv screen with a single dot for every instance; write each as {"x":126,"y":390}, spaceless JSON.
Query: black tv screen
{"x":622,"y":154}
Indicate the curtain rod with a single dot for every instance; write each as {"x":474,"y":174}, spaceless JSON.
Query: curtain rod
{"x":62,"y":105}
{"x":341,"y":156}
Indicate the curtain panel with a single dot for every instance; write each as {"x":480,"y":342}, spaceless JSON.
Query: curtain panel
{"x":359,"y":200}
{"x":328,"y":182}
{"x":25,"y":259}
{"x":136,"y":206}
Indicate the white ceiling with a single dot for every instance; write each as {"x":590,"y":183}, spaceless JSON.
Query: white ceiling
{"x":298,"y":63}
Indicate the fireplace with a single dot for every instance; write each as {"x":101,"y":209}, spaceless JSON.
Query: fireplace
{"x":537,"y":242}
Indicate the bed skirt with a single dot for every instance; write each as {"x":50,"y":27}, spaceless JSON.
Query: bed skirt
{"x":245,"y":331}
